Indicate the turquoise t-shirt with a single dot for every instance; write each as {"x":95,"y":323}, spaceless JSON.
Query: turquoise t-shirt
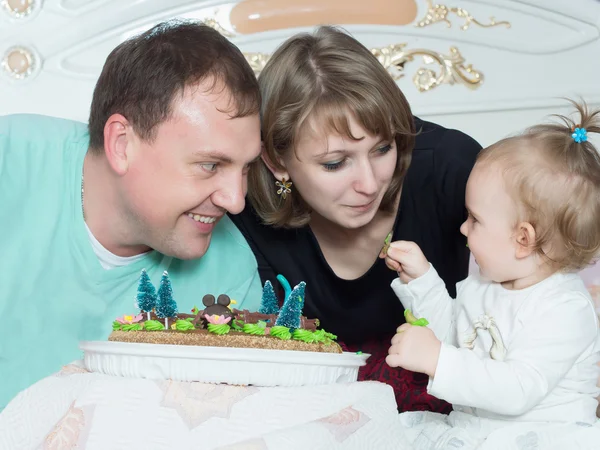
{"x":53,"y":290}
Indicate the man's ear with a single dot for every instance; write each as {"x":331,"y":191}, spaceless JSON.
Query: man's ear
{"x":525,"y":240}
{"x":115,"y":143}
{"x":277,"y":168}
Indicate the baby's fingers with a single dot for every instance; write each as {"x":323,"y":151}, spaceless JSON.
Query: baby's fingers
{"x":392,"y":264}
{"x":393,"y":359}
{"x":399,"y":336}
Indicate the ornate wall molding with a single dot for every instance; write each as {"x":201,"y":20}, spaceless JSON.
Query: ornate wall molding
{"x":20,"y":9}
{"x":213,"y":23}
{"x":439,"y":13}
{"x":20,"y":62}
{"x":451,"y":68}
{"x":257,"y":61}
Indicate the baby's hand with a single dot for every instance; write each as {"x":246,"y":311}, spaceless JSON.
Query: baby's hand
{"x":407,"y":259}
{"x":415,"y":349}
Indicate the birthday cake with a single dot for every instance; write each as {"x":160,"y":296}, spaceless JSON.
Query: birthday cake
{"x":218,"y":324}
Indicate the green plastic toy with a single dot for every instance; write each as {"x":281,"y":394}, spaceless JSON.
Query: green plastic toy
{"x":386,"y":243}
{"x":411,"y":319}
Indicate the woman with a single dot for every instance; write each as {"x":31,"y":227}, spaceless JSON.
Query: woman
{"x":345,"y":163}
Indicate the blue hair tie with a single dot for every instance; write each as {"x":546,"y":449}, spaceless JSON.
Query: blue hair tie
{"x":580,"y":135}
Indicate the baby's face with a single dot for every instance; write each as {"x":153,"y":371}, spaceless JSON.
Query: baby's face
{"x":489,"y":227}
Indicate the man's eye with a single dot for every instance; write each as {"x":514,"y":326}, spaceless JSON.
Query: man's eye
{"x":209,"y":167}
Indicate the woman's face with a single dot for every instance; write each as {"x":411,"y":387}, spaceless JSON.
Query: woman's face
{"x":341,"y":179}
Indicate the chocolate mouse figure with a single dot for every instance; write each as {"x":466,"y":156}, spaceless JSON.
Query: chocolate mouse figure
{"x":220,"y":308}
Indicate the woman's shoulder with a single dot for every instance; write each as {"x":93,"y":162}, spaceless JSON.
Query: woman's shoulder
{"x":440,"y":167}
{"x":435,"y":137}
{"x":440,"y":152}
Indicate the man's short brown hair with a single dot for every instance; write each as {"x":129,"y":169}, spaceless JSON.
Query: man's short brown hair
{"x":142,"y":75}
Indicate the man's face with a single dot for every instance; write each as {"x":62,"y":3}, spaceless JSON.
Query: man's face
{"x":180,"y":185}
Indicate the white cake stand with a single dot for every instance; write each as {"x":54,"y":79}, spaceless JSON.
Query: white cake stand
{"x":241,"y":366}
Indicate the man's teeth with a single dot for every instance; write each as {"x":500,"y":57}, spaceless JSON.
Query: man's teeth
{"x":202,"y":219}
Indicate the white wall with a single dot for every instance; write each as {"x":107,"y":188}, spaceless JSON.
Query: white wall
{"x":551,"y":50}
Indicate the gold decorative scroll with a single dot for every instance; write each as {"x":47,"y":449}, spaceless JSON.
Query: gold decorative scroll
{"x":450,"y":70}
{"x":439,"y":13}
{"x":213,"y":23}
{"x":257,"y":61}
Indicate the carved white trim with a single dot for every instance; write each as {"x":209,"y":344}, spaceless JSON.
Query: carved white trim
{"x":535,"y":28}
{"x":78,"y":7}
{"x":437,"y":13}
{"x":527,"y":67}
{"x":64,"y":59}
{"x":513,"y":103}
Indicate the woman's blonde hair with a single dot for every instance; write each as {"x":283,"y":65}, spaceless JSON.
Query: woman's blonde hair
{"x":555,"y":182}
{"x":322,"y":78}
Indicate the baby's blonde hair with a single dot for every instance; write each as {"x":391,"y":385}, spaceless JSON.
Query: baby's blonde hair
{"x":555,"y":182}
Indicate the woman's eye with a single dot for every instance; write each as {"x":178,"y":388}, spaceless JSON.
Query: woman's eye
{"x":383,"y":150}
{"x":334,"y":165}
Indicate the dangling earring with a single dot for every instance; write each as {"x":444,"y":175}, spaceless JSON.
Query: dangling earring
{"x":284,"y":187}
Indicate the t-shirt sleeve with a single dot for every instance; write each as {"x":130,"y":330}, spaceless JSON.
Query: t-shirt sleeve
{"x":454,"y":159}
{"x":428,"y":298}
{"x":5,"y":124}
{"x":31,"y":142}
{"x":22,"y":154}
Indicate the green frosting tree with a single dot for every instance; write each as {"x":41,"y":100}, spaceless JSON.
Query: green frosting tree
{"x":291,"y":311}
{"x":146,"y":294}
{"x":268,"y":303}
{"x":166,"y":306}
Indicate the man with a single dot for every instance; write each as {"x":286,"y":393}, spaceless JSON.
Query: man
{"x":173,"y":127}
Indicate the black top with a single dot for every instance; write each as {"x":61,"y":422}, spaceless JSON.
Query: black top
{"x":432,"y":208}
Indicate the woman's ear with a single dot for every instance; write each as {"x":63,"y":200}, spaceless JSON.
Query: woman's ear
{"x":276,"y":168}
{"x":525,"y":240}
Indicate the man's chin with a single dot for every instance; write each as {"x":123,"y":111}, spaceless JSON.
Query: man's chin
{"x":197,"y":249}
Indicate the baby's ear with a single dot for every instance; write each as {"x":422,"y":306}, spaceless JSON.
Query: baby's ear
{"x":208,"y":300}
{"x":525,"y":239}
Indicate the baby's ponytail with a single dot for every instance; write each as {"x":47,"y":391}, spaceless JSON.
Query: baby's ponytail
{"x":553,"y":172}
{"x":582,"y":155}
